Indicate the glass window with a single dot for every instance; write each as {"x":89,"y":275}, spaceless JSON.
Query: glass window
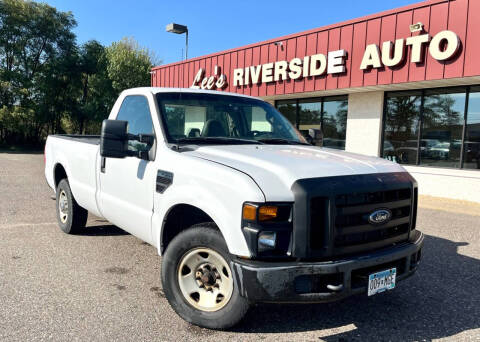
{"x":471,"y":154}
{"x":258,"y":121}
{"x":445,"y":127}
{"x":442,"y":127}
{"x":333,"y":119}
{"x":289,"y":110}
{"x":210,"y":118}
{"x":310,"y":116}
{"x":135,"y":110}
{"x":181,"y":120}
{"x":334,"y":123}
{"x":401,"y":127}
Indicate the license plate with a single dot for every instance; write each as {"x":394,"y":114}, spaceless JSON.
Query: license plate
{"x":381,"y":281}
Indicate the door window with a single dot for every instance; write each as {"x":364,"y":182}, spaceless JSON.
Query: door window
{"x":136,"y":111}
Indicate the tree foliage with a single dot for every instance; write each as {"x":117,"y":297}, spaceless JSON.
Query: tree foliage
{"x":50,"y":84}
{"x":128,"y":65}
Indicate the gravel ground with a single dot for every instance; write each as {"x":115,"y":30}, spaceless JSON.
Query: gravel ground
{"x":104,"y":285}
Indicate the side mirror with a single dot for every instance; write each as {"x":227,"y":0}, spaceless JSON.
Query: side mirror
{"x":315,"y":136}
{"x":114,"y":139}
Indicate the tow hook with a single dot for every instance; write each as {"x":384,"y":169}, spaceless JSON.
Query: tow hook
{"x":335,"y":288}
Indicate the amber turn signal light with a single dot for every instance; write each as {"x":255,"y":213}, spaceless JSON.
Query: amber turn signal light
{"x":249,"y":212}
{"x":267,"y":213}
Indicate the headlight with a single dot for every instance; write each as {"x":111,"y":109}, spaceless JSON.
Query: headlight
{"x":267,"y":228}
{"x":267,"y":213}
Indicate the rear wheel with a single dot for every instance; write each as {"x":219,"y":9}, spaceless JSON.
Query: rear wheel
{"x":198,"y":281}
{"x":70,"y":216}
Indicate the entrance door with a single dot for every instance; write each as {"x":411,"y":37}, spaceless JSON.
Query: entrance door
{"x":127,"y":185}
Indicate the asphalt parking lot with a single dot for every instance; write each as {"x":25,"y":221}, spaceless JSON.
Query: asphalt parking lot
{"x":104,"y":285}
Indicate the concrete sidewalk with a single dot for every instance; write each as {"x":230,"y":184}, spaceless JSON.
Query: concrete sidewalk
{"x":449,"y":205}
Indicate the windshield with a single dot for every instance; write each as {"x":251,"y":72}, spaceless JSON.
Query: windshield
{"x":199,"y":118}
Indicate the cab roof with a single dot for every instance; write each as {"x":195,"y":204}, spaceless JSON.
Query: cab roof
{"x":156,"y":90}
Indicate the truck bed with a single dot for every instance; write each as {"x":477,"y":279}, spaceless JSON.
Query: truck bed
{"x":79,"y":156}
{"x":88,"y":139}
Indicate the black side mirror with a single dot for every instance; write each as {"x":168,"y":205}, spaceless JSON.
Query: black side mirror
{"x":316,"y":136}
{"x":114,"y":139}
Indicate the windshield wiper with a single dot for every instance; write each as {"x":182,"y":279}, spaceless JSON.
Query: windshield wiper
{"x":217,"y":140}
{"x":280,"y":141}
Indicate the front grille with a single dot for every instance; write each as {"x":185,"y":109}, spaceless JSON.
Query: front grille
{"x":330,"y":214}
{"x":352,"y":227}
{"x":351,"y":230}
{"x":318,"y":208}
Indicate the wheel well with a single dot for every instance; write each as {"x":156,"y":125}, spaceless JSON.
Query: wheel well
{"x":59,"y":174}
{"x":179,"y":218}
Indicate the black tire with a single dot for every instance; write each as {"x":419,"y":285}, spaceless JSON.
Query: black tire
{"x":202,"y":235}
{"x":76,"y":216}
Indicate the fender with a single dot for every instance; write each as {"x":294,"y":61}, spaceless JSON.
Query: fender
{"x":60,"y":161}
{"x":216,"y":189}
{"x":219,"y":209}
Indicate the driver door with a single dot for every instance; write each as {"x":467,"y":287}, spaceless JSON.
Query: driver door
{"x":127,"y":184}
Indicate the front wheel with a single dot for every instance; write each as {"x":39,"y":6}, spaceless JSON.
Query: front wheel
{"x":198,"y":281}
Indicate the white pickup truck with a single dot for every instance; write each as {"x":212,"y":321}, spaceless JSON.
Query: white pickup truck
{"x":239,"y":205}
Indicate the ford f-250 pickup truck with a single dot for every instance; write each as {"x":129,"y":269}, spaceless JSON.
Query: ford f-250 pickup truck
{"x":241,"y":208}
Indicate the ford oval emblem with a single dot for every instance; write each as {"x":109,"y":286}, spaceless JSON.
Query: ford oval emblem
{"x":380,"y":216}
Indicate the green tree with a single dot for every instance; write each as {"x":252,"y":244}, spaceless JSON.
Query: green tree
{"x":105,"y":72}
{"x":35,"y":38}
{"x":58,"y":88}
{"x":48,"y":84}
{"x":129,"y":64}
{"x":97,"y":95}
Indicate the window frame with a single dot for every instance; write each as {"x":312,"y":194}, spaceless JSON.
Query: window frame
{"x":466,"y":89}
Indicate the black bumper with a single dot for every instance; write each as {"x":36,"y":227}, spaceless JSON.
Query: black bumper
{"x":316,"y":282}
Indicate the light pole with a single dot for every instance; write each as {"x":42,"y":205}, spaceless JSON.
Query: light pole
{"x":179,"y":29}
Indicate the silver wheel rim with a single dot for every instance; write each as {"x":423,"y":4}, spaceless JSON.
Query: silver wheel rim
{"x":205,"y":279}
{"x":63,"y":206}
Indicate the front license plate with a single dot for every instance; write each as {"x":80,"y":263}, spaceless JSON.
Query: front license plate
{"x":381,"y":281}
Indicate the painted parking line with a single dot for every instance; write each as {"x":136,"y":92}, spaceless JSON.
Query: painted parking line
{"x":15,"y":225}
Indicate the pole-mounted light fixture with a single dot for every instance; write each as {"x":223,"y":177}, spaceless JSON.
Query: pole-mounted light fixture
{"x":179,"y":29}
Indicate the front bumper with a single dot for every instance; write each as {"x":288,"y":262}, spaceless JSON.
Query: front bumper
{"x":316,"y":282}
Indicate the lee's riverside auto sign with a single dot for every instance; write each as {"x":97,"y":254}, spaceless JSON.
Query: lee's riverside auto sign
{"x":442,"y":47}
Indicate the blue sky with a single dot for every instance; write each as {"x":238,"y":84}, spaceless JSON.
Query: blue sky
{"x":213,"y":25}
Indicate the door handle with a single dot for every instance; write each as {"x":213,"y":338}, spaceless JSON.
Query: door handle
{"x":102,"y":164}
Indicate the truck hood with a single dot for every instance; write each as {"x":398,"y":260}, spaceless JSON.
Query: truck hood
{"x":276,"y":167}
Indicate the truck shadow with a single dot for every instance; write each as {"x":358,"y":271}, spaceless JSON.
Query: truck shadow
{"x":35,"y":150}
{"x":441,"y":300}
{"x":102,"y":230}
